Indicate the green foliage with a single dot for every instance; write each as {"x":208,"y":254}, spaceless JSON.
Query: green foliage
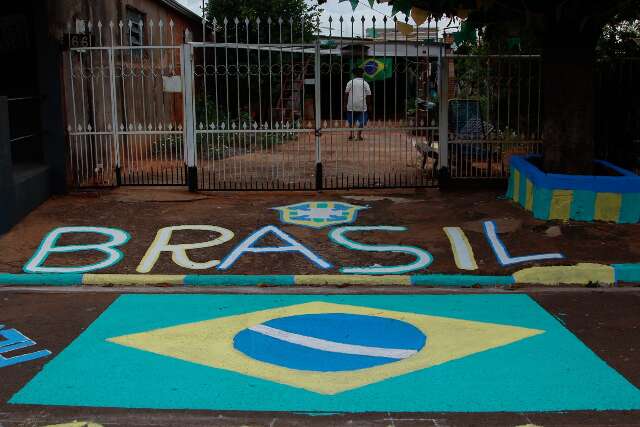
{"x":294,"y":13}
{"x":208,"y":112}
{"x":620,"y":39}
{"x":553,"y":24}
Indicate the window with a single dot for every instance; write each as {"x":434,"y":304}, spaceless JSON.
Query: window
{"x":136,"y":18}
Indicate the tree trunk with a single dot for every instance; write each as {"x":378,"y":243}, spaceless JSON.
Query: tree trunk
{"x":568,"y":63}
{"x":568,"y":117}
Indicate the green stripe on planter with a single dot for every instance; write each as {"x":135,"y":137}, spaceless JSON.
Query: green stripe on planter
{"x":239,"y":280}
{"x":460,"y":280}
{"x":46,"y":279}
{"x":541,"y":203}
{"x":583,"y":205}
{"x":630,"y":209}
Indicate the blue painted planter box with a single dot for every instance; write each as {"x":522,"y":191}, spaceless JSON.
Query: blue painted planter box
{"x":577,"y":197}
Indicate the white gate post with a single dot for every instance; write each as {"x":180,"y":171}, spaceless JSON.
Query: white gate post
{"x":318,"y":117}
{"x":443,"y":122}
{"x":114,"y":115}
{"x":188,"y":103}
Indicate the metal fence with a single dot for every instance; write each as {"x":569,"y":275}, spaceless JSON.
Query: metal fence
{"x":617,"y":111}
{"x":495,"y":112}
{"x":261,"y":105}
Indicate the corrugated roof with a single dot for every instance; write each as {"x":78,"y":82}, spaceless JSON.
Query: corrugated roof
{"x":173,"y":4}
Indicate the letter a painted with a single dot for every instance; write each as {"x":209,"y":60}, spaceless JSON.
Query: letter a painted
{"x":502,"y":254}
{"x":48,"y":246}
{"x":293,"y":246}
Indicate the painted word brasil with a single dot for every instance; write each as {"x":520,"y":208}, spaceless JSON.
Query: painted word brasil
{"x":111,"y":254}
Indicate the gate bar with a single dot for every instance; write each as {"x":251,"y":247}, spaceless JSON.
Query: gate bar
{"x":189,"y":116}
{"x":114,"y":116}
{"x":443,"y":124}
{"x":318,"y":108}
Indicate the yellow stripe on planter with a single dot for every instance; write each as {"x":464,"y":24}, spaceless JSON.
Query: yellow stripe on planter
{"x":580,"y":274}
{"x":343,"y":279}
{"x":528,"y":204}
{"x":608,"y":206}
{"x":132,"y":279}
{"x":561,"y":204}
{"x":516,"y":186}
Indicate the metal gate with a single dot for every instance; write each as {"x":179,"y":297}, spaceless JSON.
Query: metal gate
{"x":260,"y":105}
{"x":124,"y":96}
{"x":270,"y":113}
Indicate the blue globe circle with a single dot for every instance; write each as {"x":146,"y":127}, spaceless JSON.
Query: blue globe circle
{"x":330,"y":342}
{"x":370,"y":67}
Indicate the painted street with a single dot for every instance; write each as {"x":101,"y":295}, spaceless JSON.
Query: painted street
{"x":403,"y":238}
{"x":236,"y":359}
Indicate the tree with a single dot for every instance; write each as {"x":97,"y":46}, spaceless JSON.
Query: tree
{"x":567,"y":33}
{"x":620,"y":39}
{"x":303,"y":17}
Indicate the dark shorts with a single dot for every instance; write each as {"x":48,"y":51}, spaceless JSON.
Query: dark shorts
{"x":357,"y":118}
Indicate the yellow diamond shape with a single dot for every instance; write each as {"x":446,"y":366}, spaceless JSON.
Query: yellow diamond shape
{"x":210,"y":343}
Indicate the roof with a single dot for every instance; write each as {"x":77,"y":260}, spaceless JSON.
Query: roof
{"x":183,"y":10}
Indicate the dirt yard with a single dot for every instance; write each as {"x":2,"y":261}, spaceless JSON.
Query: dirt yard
{"x":142,"y":211}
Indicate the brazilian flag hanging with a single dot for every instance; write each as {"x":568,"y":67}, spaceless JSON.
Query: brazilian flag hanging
{"x":377,"y":68}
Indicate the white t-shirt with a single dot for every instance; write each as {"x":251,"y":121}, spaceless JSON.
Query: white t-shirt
{"x":358,"y":90}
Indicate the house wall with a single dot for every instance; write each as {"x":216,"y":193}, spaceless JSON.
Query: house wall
{"x":140,"y":99}
{"x":65,"y":11}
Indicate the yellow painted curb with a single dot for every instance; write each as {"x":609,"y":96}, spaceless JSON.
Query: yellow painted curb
{"x":76,"y":424}
{"x":579,"y":274}
{"x":340,"y":279}
{"x":132,"y":279}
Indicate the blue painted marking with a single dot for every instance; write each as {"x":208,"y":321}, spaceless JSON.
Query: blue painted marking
{"x":352,"y":329}
{"x":238,"y":280}
{"x":14,"y":340}
{"x":501,"y":252}
{"x":292,"y":356}
{"x":465,"y":280}
{"x":355,"y":329}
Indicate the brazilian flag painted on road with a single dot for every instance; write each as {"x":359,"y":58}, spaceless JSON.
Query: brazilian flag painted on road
{"x":330,"y":353}
{"x":377,"y":68}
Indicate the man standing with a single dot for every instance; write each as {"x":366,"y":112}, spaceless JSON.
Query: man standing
{"x":357,"y":93}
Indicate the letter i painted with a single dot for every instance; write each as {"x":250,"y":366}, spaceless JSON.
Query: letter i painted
{"x":461,"y":248}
